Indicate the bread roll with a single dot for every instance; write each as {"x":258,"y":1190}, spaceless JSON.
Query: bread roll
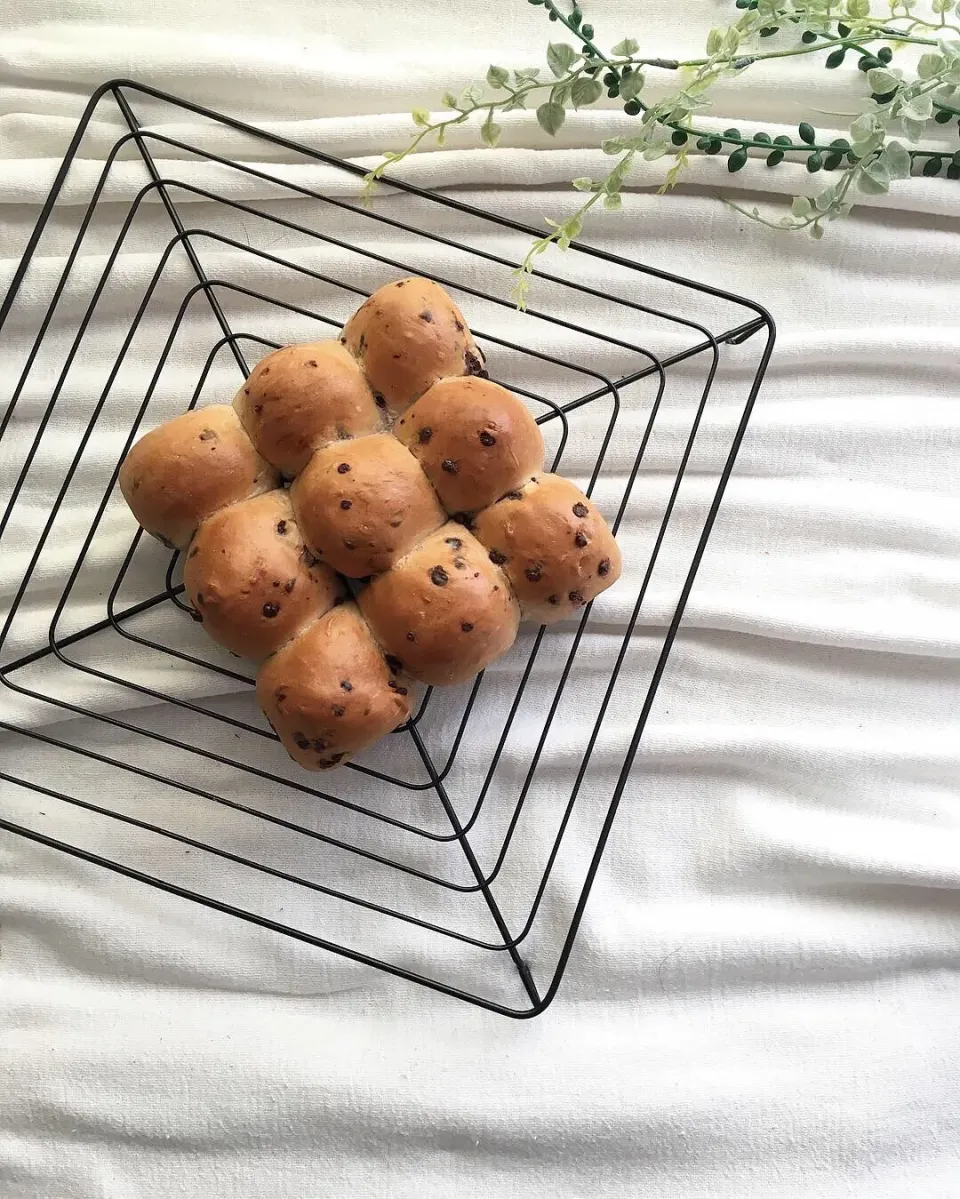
{"x":302,"y":397}
{"x":554,"y":545}
{"x":362,"y":504}
{"x":184,"y":471}
{"x":250,"y":579}
{"x":408,"y":335}
{"x":444,"y":612}
{"x":329,"y":692}
{"x":474,"y":440}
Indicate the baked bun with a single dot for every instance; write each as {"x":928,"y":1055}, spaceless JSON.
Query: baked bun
{"x":554,"y":545}
{"x":251,"y":581}
{"x":444,"y":612}
{"x":408,"y":335}
{"x":362,"y":504}
{"x":182,"y":472}
{"x":474,"y":440}
{"x":330,"y":693}
{"x":302,"y":397}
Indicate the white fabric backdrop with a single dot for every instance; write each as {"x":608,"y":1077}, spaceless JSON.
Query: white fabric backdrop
{"x":764,"y":1000}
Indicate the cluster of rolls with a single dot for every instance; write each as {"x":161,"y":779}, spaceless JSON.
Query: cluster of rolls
{"x":407,"y":469}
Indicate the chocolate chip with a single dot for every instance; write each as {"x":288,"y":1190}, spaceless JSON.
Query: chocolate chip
{"x":311,"y":362}
{"x":394,"y":663}
{"x":397,"y":356}
{"x":473,"y":365}
{"x":193,"y":553}
{"x":395,"y":524}
{"x":343,"y":468}
{"x":336,"y":759}
{"x":425,"y":435}
{"x":576,"y":597}
{"x":265,"y":370}
{"x":343,"y":341}
{"x":439,"y":577}
{"x":200,"y":597}
{"x":411,"y":636}
{"x":342,"y":434}
{"x":510,"y":495}
{"x":395,"y":686}
{"x":348,"y":544}
{"x":195,"y":615}
{"x":301,"y":741}
{"x":455,"y":542}
{"x":136,"y":484}
{"x":346,"y":685}
{"x":338,"y":709}
{"x":450,"y":466}
{"x":467,"y":626}
{"x":580,"y":509}
{"x":281,"y":696}
{"x":534,"y":573}
{"x":289,"y":585}
{"x":282,"y":528}
{"x":379,"y":400}
{"x":258,"y":408}
{"x":459,"y":324}
{"x":309,"y":559}
{"x":271,"y":610}
{"x":246,"y":391}
{"x":208,"y":435}
{"x":604,"y":567}
{"x":459,"y":564}
{"x":581,"y":538}
{"x":346,"y":504}
{"x":276,"y":582}
{"x":427,"y":316}
{"x":497,"y":558}
{"x":362,"y":343}
{"x":400,"y":284}
{"x":487,"y":438}
{"x":319,"y":745}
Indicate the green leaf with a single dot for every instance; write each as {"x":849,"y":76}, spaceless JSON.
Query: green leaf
{"x":470,"y":97}
{"x":876,"y":171}
{"x":882,"y":80}
{"x":824,"y":199}
{"x":561,"y":93}
{"x":449,"y":100}
{"x":774,"y":158}
{"x":490,"y":131}
{"x":920,"y":108}
{"x":807,"y":132}
{"x":737,"y":160}
{"x":625,"y":48}
{"x":929,"y":65}
{"x":863,"y":128}
{"x":801,"y":206}
{"x":816,"y":231}
{"x":612,"y":145}
{"x":896,"y":158}
{"x":550,"y":117}
{"x":586,"y":91}
{"x":657,"y":150}
{"x":714,"y":41}
{"x":525,"y":75}
{"x":514,"y":102}
{"x":497,"y":77}
{"x":858,"y":9}
{"x":632,"y":86}
{"x":583,"y":184}
{"x":914,"y":130}
{"x":612,"y":202}
{"x":870,"y":187}
{"x":560,"y":58}
{"x":421,"y":118}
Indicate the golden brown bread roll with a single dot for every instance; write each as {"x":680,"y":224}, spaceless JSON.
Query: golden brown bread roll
{"x":302,"y":397}
{"x":474,"y":440}
{"x":408,"y":335}
{"x":184,"y":471}
{"x":250,"y":579}
{"x":444,"y":612}
{"x":554,"y":545}
{"x":363,"y":504}
{"x":329,"y":692}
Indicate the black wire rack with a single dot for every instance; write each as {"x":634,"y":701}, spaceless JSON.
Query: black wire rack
{"x":461,"y":852}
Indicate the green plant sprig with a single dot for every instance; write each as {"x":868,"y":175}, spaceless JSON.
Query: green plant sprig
{"x":868,"y":160}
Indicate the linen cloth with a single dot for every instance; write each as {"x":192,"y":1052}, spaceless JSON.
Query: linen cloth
{"x":764,"y":997}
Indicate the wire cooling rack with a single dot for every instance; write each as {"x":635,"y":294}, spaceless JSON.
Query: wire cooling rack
{"x":460,"y":853}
